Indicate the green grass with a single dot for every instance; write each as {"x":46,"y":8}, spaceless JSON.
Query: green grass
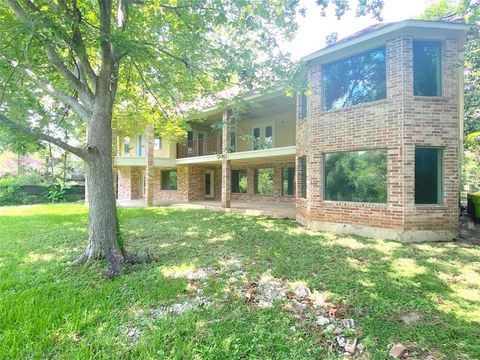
{"x":50,"y":310}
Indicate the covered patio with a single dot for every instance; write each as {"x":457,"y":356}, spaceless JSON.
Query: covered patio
{"x":277,"y":210}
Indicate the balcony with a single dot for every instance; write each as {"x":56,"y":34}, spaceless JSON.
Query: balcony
{"x":200,"y":147}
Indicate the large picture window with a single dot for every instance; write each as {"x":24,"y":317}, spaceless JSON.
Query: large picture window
{"x":358,"y":79}
{"x":263,"y":181}
{"x":428,"y":176}
{"x":288,"y":180}
{"x":169,"y":180}
{"x":239,"y":181}
{"x":427,"y":72}
{"x":359,"y":176}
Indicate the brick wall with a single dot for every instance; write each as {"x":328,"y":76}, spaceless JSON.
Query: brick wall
{"x":398,"y":124}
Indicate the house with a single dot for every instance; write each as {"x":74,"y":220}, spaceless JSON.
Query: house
{"x":373,"y":148}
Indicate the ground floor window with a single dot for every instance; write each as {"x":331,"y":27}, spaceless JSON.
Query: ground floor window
{"x":303,"y":176}
{"x":359,"y":176}
{"x":288,"y":180}
{"x":169,"y":180}
{"x":263,"y":181}
{"x":239,"y":181}
{"x":428,"y":176}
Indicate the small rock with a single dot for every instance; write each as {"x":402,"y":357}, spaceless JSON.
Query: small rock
{"x":351,"y":346}
{"x":397,"y":350}
{"x":302,"y":291}
{"x":360,"y":347}
{"x":322,"y":321}
{"x":293,"y":329}
{"x":330,"y":327}
{"x":411,"y":318}
{"x":338,"y":330}
{"x":348,"y":323}
{"x":341,"y":341}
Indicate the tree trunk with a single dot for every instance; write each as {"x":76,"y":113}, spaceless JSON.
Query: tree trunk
{"x":103,"y":241}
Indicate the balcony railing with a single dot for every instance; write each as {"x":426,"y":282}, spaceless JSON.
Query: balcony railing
{"x":200,"y":147}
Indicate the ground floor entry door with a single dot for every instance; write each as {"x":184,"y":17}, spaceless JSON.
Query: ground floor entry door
{"x":209,"y":184}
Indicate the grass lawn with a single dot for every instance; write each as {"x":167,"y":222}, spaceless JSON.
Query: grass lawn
{"x":205,"y":261}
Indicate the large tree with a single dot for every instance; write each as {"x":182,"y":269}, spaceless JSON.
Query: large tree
{"x":94,"y":63}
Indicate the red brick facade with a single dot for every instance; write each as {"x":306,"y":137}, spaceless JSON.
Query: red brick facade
{"x":397,"y":124}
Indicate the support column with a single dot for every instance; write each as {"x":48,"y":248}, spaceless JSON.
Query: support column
{"x":226,"y":164}
{"x":149,"y":172}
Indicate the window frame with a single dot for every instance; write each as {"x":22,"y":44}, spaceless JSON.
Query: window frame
{"x":140,"y":145}
{"x":324,"y":66}
{"x":303,"y":176}
{"x":283,"y":179}
{"x":303,"y":106}
{"x":238,"y":171}
{"x":354,"y":201}
{"x":439,"y":74}
{"x":165,"y":187}
{"x":255,"y":181}
{"x":157,"y":141}
{"x":440,"y":176}
{"x":126,"y":145}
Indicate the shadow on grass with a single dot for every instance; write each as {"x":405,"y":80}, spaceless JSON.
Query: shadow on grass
{"x":377,"y":280}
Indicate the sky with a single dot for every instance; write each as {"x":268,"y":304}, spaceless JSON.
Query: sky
{"x":313,"y":28}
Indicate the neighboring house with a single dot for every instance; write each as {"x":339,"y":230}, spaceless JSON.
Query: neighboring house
{"x":373,"y":148}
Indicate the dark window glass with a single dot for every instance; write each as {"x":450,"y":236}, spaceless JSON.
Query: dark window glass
{"x":169,"y":180}
{"x":427,"y":70}
{"x":428,"y":176}
{"x":288,"y":180}
{"x":358,"y":79}
{"x":303,"y":177}
{"x":263,"y":181}
{"x":233,"y":142}
{"x":256,"y":138}
{"x":359,"y":176}
{"x":239,"y":181}
{"x":303,"y":106}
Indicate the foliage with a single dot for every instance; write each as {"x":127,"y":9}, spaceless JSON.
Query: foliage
{"x":265,"y":181}
{"x":56,"y":192}
{"x":32,"y":178}
{"x":472,"y":161}
{"x":76,"y":313}
{"x":356,"y":176}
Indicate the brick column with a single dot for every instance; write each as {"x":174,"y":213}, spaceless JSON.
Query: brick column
{"x":226,"y":164}
{"x":149,"y":172}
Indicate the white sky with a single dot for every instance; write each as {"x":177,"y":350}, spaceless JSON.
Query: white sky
{"x":313,"y":28}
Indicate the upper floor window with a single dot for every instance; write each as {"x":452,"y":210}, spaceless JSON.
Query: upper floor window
{"x":262,"y":137}
{"x":140,"y":148}
{"x":303,"y":105}
{"x":157,"y":145}
{"x":358,"y":79}
{"x":427,"y":72}
{"x":126,"y":145}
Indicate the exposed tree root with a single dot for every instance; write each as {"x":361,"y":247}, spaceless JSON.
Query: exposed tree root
{"x":82,"y":259}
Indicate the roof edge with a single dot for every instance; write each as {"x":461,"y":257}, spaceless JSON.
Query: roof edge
{"x":385,"y":30}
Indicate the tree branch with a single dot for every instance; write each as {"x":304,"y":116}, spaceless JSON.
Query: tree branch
{"x":82,"y":88}
{"x":38,"y":135}
{"x":59,"y":95}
